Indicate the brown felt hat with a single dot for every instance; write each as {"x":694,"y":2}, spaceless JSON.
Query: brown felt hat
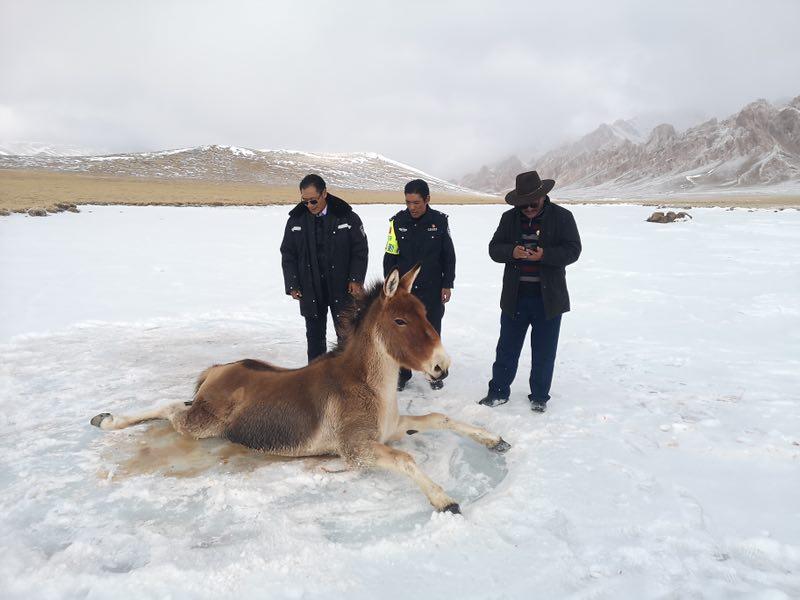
{"x":528,"y":187}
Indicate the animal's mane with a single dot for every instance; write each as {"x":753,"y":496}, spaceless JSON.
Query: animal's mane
{"x":352,"y":316}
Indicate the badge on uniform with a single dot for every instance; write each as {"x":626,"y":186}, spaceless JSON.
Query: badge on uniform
{"x":391,"y":244}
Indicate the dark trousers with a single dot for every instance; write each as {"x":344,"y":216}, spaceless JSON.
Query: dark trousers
{"x":544,"y":343}
{"x":435,"y":312}
{"x":317,"y":329}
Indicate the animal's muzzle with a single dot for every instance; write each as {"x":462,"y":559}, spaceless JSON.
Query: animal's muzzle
{"x":438,"y":365}
{"x":439,"y":373}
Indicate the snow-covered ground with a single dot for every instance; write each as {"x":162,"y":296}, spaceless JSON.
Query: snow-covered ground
{"x":668,"y":464}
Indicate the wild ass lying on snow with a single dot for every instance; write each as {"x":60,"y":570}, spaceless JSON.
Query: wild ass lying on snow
{"x":344,"y":403}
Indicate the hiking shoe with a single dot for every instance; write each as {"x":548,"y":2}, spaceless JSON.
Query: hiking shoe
{"x":492,"y":401}
{"x":538,"y":405}
{"x":437,"y":385}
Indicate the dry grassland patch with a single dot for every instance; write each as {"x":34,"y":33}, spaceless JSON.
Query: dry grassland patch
{"x":25,"y":189}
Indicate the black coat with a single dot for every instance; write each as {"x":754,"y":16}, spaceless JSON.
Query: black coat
{"x":427,"y":241}
{"x":558,"y":237}
{"x":347,"y":252}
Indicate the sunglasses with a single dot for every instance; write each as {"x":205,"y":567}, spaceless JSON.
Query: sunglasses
{"x":311,"y":201}
{"x":535,"y":204}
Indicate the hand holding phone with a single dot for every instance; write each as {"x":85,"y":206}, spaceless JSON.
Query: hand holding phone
{"x":520,"y":252}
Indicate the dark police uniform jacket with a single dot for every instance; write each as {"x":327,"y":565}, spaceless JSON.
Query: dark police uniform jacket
{"x":427,"y":241}
{"x":346,"y":250}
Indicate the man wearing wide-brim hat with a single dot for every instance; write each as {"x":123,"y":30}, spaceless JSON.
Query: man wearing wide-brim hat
{"x":535,"y":240}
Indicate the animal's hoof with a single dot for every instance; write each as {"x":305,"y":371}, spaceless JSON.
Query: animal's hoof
{"x":452,"y":508}
{"x":98,"y":419}
{"x":501,"y":446}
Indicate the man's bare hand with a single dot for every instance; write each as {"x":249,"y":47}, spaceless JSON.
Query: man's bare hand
{"x":355,"y":289}
{"x":535,"y":255}
{"x":296,"y":294}
{"x":446,"y":293}
{"x":520,"y":252}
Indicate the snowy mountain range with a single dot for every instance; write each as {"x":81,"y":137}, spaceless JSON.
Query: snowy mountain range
{"x":41,"y":149}
{"x":757,"y":149}
{"x":359,"y":170}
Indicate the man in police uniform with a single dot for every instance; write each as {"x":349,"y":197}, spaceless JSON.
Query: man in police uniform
{"x":324,"y":259}
{"x":421,"y":234}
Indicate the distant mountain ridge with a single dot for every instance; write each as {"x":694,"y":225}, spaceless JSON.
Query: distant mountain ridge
{"x":495,"y":179}
{"x":18,"y":148}
{"x":756,"y":149}
{"x":233,"y":164}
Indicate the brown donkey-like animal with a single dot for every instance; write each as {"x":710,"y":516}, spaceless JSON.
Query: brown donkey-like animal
{"x":344,"y":403}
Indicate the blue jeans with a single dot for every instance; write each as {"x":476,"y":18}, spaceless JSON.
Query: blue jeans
{"x":544,"y":343}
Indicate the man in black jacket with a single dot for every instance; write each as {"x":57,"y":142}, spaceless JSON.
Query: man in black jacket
{"x":421,"y":234}
{"x":324,"y":258}
{"x":536,"y":239}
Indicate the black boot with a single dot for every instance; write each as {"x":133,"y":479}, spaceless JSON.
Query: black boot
{"x":401,"y":383}
{"x":402,"y":379}
{"x":492,"y":400}
{"x":539,"y":405}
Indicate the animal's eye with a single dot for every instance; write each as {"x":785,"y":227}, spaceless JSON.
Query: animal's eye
{"x":400,"y":322}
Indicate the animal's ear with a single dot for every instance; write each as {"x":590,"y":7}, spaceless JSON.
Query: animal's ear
{"x":408,"y":279}
{"x":391,"y":284}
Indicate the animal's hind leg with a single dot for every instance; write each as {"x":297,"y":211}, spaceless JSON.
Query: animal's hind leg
{"x":375,"y":454}
{"x":107,"y":421}
{"x":197,"y":421}
{"x":411,"y":425}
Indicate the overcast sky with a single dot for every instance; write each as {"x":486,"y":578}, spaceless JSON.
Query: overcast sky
{"x":444,"y":86}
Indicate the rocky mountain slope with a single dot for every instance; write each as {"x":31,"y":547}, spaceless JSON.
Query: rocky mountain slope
{"x":497,"y":178}
{"x":361,"y":170}
{"x":757,"y":149}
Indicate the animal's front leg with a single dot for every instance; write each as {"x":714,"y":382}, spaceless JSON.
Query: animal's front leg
{"x":375,"y":454}
{"x":410,"y":425}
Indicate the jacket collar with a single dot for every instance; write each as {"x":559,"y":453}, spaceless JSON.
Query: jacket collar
{"x":336,"y":207}
{"x":426,"y":215}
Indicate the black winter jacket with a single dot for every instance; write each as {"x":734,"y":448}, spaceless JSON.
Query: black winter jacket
{"x":347,"y":251}
{"x":427,"y":241}
{"x":561,"y":243}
